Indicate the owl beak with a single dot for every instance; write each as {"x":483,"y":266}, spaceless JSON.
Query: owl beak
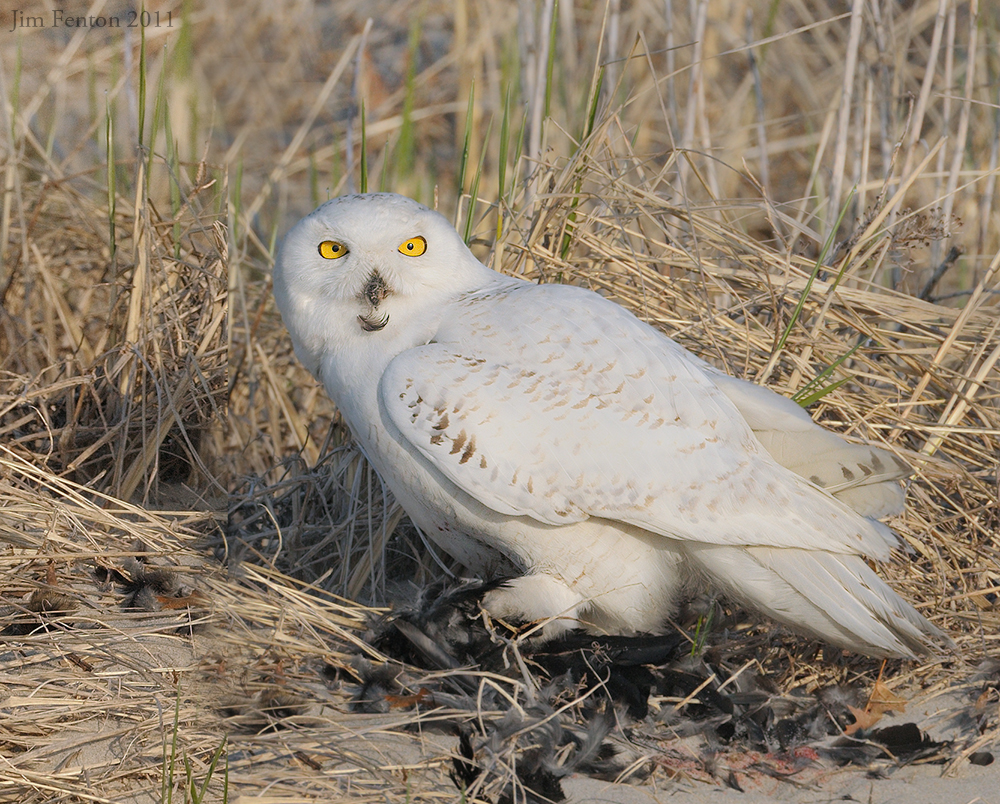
{"x":374,"y":293}
{"x":375,"y":290}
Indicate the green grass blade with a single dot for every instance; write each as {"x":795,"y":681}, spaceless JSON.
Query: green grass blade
{"x":405,"y":146}
{"x":142,"y":80}
{"x":199,"y":795}
{"x":169,"y":762}
{"x":816,"y":396}
{"x":550,"y":63}
{"x":313,"y":180}
{"x":184,"y":49}
{"x":595,"y":102}
{"x":15,"y":93}
{"x":772,"y":16}
{"x":184,"y":58}
{"x":502,"y":161}
{"x":816,"y":381}
{"x":337,"y":169}
{"x":236,"y":199}
{"x":474,"y":191}
{"x":815,"y":271}
{"x":701,"y":632}
{"x":92,"y":105}
{"x":383,"y":182}
{"x":159,"y":110}
{"x":519,"y":150}
{"x":364,"y":152}
{"x":109,"y":139}
{"x":463,"y":163}
{"x":595,"y":99}
{"x":174,"y":166}
{"x":272,"y":240}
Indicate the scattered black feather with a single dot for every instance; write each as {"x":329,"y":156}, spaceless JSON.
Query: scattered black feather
{"x":280,"y":704}
{"x":142,"y":583}
{"x":707,"y":703}
{"x":593,"y":755}
{"x":902,"y":743}
{"x":906,"y":740}
{"x":555,"y":750}
{"x":535,"y":783}
{"x":437,"y":628}
{"x":587,"y":707}
{"x":465,"y":771}
{"x":267,"y":711}
{"x":378,"y":682}
{"x":617,"y":665}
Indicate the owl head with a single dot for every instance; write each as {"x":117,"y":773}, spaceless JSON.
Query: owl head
{"x":371,"y":266}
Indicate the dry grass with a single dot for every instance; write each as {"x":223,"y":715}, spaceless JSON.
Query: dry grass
{"x":143,"y":397}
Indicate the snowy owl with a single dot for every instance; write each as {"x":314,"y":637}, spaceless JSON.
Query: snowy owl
{"x":544,"y":432}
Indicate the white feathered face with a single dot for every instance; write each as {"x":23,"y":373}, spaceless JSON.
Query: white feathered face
{"x":366,"y":265}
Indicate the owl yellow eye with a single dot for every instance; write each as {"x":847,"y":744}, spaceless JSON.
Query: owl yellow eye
{"x":332,"y":250}
{"x":413,"y":247}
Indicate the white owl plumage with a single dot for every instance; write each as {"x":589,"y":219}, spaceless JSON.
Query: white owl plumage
{"x":544,"y":431}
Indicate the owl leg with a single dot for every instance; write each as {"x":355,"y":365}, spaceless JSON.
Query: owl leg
{"x":537,"y":598}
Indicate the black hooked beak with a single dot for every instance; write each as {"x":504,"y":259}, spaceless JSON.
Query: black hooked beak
{"x":374,"y":292}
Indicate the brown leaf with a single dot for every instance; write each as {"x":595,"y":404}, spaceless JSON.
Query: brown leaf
{"x":406,"y":701}
{"x":194,"y":599}
{"x":863,"y":719}
{"x":884,"y":699}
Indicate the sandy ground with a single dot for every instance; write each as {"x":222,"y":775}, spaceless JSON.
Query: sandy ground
{"x":912,"y":785}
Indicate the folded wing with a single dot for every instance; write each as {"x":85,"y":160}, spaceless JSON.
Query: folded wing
{"x":601,"y":416}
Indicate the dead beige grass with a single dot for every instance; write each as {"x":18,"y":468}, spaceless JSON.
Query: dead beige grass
{"x":144,"y":392}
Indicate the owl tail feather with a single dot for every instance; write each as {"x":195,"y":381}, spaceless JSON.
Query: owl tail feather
{"x":834,"y":597}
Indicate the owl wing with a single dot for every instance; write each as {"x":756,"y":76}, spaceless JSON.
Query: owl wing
{"x":554,"y":403}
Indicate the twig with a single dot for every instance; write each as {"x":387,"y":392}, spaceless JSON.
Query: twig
{"x":953,"y":254}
